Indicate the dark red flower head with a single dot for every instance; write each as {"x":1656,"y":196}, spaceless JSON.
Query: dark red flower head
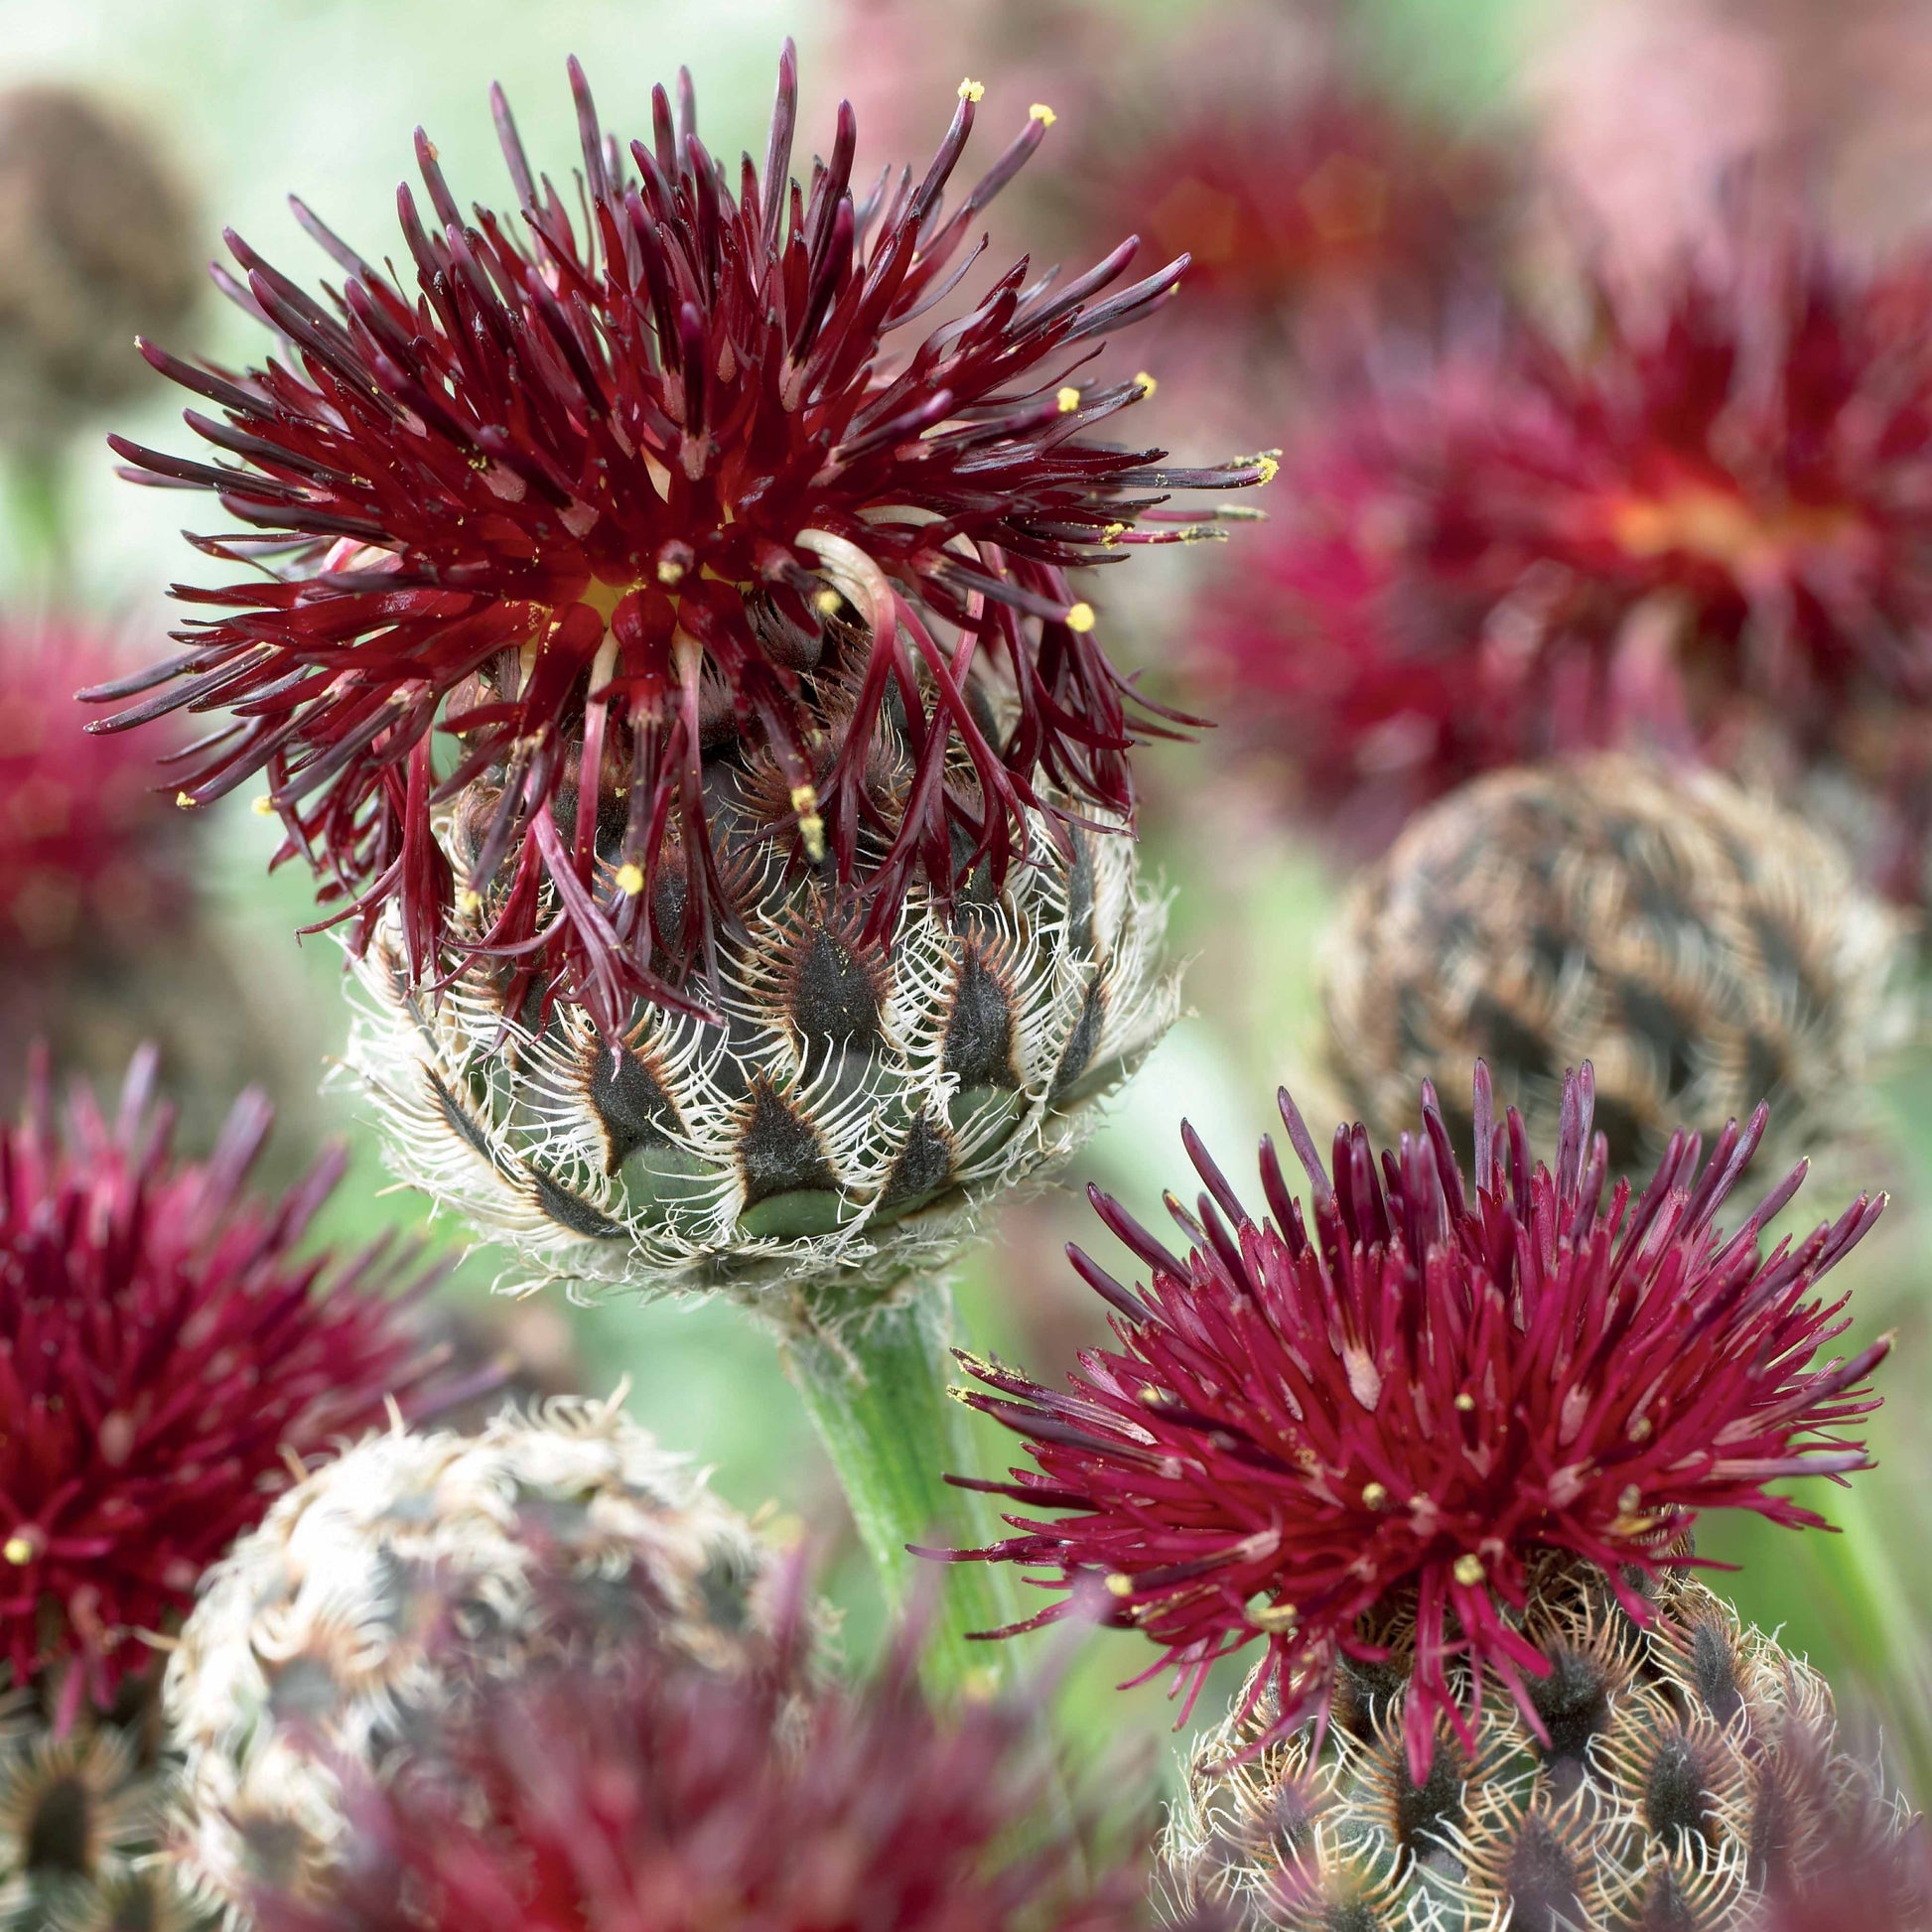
{"x":669,"y":1800}
{"x":1708,"y":528}
{"x":1420,"y":1386}
{"x":88,"y":849}
{"x":1336,"y":203}
{"x":164,"y":1353}
{"x":612,"y":489}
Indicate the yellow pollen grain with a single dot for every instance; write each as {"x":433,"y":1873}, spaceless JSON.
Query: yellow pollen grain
{"x":1113,"y":533}
{"x":973,"y":90}
{"x":826,"y":602}
{"x":1468,"y":1570}
{"x":1466,"y":1402}
{"x":1119,"y":1585}
{"x":1374,"y":1494}
{"x":1270,"y":466}
{"x":1274,"y":1616}
{"x":18,"y":1550}
{"x":186,"y":804}
{"x":1080,"y":617}
{"x":1043,"y":115}
{"x":1069,"y":400}
{"x":631,"y":879}
{"x":670,"y":571}
{"x":811,"y":828}
{"x":1146,"y":383}
{"x":1639,"y":1430}
{"x":262,"y":808}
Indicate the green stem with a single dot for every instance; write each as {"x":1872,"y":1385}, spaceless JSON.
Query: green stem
{"x":879,"y":1401}
{"x":37,"y":508}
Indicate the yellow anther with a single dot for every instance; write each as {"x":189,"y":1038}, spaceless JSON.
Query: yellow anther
{"x":1274,"y":1616}
{"x":1147,"y":384}
{"x":262,"y":808}
{"x":1080,"y":617}
{"x":1468,"y":1570}
{"x":18,"y":1550}
{"x":631,"y":879}
{"x":670,"y":571}
{"x":973,"y":90}
{"x":1069,"y":400}
{"x":811,"y":828}
{"x":826,"y":602}
{"x":468,"y":901}
{"x":184,"y":801}
{"x":1043,"y":115}
{"x":1465,"y":1402}
{"x":1119,"y":1585}
{"x":1639,"y":1431}
{"x":1374,"y":1494}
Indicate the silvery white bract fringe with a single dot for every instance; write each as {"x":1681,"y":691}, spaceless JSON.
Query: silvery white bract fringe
{"x":1690,"y":1774}
{"x":841,"y":1125}
{"x":329,"y":1631}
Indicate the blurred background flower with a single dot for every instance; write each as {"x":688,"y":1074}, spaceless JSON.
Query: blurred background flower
{"x":1421,"y":226}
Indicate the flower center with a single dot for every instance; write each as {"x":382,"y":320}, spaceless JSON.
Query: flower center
{"x":605,"y":598}
{"x":1721,"y":526}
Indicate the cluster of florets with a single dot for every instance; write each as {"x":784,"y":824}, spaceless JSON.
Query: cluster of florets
{"x":1365,"y":213}
{"x":1421,"y":1384}
{"x":654,"y":1796}
{"x":604,"y":497}
{"x":1704,"y":531}
{"x":90,"y":854}
{"x":165,"y":1353}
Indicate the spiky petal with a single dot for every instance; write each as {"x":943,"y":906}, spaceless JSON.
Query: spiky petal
{"x":1420,"y":1383}
{"x":90,"y":852}
{"x":165,"y":1351}
{"x":601,"y":496}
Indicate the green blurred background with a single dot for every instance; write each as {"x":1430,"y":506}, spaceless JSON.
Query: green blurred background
{"x":319,"y":97}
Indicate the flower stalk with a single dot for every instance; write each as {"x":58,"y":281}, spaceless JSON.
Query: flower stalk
{"x":878,"y":1396}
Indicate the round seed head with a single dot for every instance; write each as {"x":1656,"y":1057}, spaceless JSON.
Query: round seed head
{"x":82,"y":1799}
{"x":1702,"y":949}
{"x":856,"y":1095}
{"x":98,"y":241}
{"x":379,"y":1593}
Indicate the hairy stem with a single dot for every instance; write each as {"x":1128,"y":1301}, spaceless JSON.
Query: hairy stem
{"x":880,"y":1403}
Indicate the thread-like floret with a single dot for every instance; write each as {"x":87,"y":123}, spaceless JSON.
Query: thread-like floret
{"x":608,"y":491}
{"x":1423,"y":1384}
{"x":685,"y":1802}
{"x":165,"y":1353}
